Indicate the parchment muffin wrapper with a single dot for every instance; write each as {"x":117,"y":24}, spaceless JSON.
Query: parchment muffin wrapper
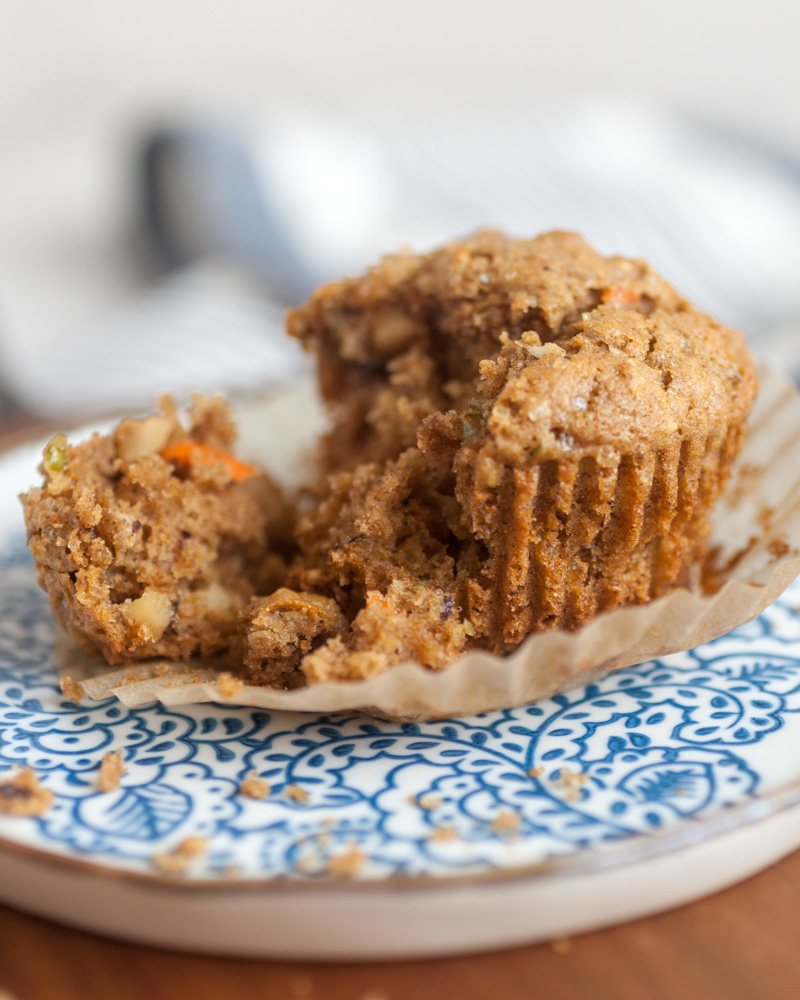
{"x":755,"y":538}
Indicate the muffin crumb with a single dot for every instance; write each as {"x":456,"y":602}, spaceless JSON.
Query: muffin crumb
{"x":111,"y":771}
{"x":346,"y":865}
{"x":72,"y":690}
{"x":22,"y":795}
{"x":228,"y":685}
{"x":297,"y":794}
{"x":254,"y":787}
{"x":506,"y":823}
{"x":444,"y":834}
{"x":561,"y":946}
{"x":177,"y":861}
{"x":572,"y":782}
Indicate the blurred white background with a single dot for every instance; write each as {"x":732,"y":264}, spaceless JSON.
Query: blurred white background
{"x":80,"y":79}
{"x":104,"y":62}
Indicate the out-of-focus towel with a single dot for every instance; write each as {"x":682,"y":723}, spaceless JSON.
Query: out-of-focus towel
{"x":250,"y":221}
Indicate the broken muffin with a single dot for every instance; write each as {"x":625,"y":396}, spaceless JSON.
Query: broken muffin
{"x":524,"y":434}
{"x":530,"y":431}
{"x":150,"y":540}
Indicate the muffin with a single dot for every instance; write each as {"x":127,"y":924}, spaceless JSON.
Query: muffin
{"x":574,"y":417}
{"x":524,"y":434}
{"x":589,"y":465}
{"x":150,"y":540}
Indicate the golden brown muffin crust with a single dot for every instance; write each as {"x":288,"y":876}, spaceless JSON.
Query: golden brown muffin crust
{"x":406,"y":339}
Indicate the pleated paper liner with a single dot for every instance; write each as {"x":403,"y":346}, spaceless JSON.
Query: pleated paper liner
{"x":756,"y":543}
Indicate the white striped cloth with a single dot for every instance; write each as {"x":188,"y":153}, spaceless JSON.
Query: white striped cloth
{"x":258,"y":219}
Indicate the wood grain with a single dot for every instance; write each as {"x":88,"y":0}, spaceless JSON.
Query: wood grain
{"x":741,"y":944}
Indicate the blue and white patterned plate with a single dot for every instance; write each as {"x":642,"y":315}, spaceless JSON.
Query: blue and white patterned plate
{"x":651,"y":755}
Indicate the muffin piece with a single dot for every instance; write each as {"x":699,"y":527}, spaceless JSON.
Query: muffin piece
{"x":406,"y":340}
{"x":151,"y":539}
{"x":277,"y":631}
{"x":409,"y":623}
{"x":568,"y":421}
{"x":378,"y":544}
{"x":589,"y":466}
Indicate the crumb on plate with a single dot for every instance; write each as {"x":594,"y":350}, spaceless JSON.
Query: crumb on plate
{"x":177,"y":861}
{"x":572,"y":782}
{"x":297,"y":794}
{"x":22,"y":795}
{"x":506,"y":822}
{"x":254,"y":787}
{"x":346,"y":865}
{"x":111,"y":770}
{"x":71,"y":689}
{"x":443,"y":834}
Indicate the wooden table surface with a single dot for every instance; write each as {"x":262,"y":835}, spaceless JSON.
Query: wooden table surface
{"x":740,"y":944}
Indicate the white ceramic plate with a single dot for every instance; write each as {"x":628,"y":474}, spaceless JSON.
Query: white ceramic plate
{"x":657,"y":785}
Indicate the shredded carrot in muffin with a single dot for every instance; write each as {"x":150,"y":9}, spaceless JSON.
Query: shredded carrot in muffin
{"x":374,"y":598}
{"x":620,"y":295}
{"x":186,"y":452}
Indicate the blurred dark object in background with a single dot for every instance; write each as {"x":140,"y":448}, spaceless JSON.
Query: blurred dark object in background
{"x":308,"y":199}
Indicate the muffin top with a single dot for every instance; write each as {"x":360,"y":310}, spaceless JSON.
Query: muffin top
{"x":545,"y":346}
{"x":616,"y":381}
{"x":466,"y":294}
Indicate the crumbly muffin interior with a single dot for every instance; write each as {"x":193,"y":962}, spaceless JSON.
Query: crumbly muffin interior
{"x":150,"y":540}
{"x":574,"y":415}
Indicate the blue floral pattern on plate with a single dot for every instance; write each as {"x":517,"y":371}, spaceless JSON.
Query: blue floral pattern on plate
{"x":642,"y":750}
